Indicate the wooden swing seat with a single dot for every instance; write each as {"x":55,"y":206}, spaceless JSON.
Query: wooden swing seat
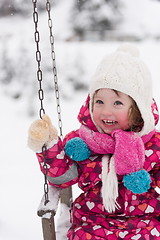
{"x":47,"y":212}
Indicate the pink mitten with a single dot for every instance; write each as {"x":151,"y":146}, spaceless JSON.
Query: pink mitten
{"x":129,"y":152}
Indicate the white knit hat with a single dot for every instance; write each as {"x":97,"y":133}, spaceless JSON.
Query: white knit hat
{"x":125,"y":72}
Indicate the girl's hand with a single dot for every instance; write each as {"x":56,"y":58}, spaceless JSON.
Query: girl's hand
{"x":41,"y":132}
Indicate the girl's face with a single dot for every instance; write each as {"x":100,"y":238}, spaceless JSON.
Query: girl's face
{"x":111,"y":110}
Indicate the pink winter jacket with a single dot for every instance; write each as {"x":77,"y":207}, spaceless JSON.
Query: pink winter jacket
{"x":139,"y":214}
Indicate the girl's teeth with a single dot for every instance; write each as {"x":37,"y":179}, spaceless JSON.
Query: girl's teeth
{"x":109,"y":122}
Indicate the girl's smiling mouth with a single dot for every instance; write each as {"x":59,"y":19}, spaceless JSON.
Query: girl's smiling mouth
{"x":109,"y":122}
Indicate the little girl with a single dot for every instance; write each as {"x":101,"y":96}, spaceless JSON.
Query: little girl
{"x":113,"y":156}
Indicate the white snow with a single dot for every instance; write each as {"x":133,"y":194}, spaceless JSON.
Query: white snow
{"x":53,"y":196}
{"x":21,"y":182}
{"x":141,"y":17}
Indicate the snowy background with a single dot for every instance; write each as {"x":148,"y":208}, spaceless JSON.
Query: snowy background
{"x":77,"y":55}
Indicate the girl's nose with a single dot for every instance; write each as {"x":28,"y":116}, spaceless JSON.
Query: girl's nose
{"x":107,"y":111}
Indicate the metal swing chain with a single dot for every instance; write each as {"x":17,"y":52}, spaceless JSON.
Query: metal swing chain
{"x":40,"y":92}
{"x":54,"y":69}
{"x":39,"y":78}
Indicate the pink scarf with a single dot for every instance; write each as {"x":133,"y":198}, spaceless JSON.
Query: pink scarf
{"x":127,"y":147}
{"x":128,"y":155}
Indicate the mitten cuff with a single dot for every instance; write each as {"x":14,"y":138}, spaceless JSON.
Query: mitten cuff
{"x":36,"y":146}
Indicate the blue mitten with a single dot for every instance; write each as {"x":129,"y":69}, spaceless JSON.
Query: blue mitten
{"x":77,"y":149}
{"x":137,"y":182}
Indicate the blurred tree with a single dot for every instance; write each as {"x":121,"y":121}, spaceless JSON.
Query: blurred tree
{"x":11,"y":7}
{"x":7,"y":7}
{"x":92,"y":16}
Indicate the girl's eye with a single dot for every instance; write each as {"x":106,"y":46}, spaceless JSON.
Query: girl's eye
{"x":118,"y":103}
{"x":99,"y":101}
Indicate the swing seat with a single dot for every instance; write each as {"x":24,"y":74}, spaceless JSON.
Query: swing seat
{"x":47,"y":212}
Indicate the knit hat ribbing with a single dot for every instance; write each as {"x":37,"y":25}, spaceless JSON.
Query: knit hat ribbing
{"x":125,"y":72}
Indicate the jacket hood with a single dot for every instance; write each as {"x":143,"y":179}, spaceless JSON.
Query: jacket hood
{"x":84,"y":115}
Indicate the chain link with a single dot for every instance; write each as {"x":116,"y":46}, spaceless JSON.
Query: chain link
{"x":46,"y":188}
{"x":38,"y":57}
{"x":40,"y":92}
{"x":54,"y":69}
